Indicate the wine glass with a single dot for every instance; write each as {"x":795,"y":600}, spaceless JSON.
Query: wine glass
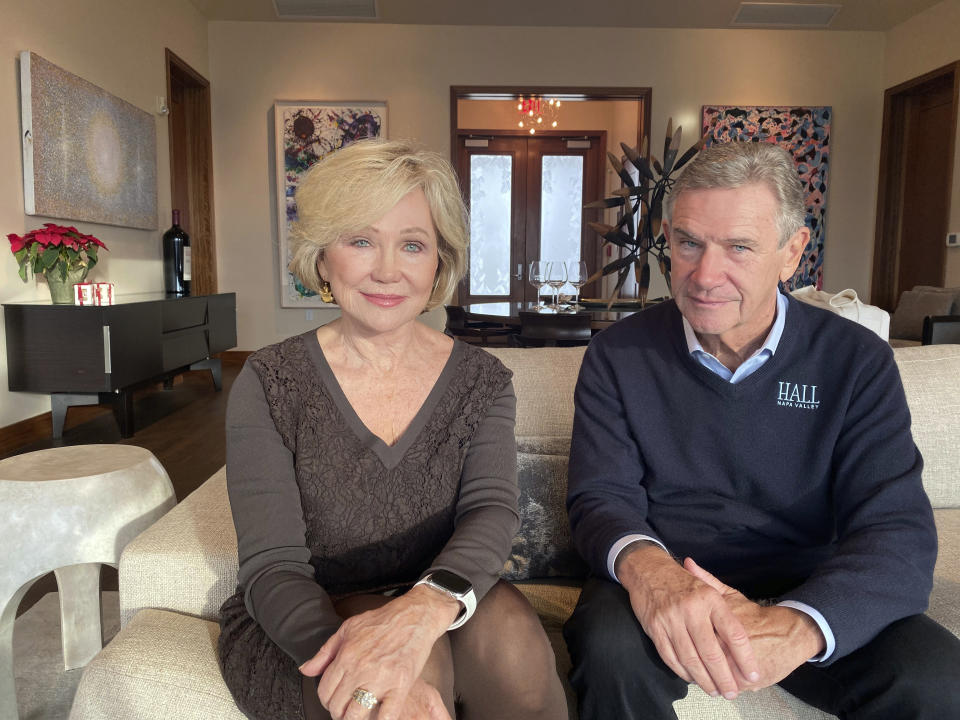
{"x":538,"y":278}
{"x":577,"y":276}
{"x":556,"y":279}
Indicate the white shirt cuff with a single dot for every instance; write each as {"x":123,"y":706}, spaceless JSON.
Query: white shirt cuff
{"x":821,"y":621}
{"x":618,"y":547}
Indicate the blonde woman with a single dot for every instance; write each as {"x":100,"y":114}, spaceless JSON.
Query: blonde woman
{"x":371,"y":471}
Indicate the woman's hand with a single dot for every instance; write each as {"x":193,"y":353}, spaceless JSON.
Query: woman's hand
{"x":423,"y":703}
{"x":384,"y":652}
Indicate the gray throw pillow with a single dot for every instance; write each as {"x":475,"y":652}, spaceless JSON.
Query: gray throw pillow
{"x":953,"y":291}
{"x":914,"y":306}
{"x":542,"y":548}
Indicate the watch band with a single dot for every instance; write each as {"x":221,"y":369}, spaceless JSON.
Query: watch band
{"x":467,"y":599}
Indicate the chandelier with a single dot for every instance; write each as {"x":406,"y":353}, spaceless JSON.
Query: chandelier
{"x":537,"y":112}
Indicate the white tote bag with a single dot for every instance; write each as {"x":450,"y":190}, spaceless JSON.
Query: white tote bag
{"x":847,"y":304}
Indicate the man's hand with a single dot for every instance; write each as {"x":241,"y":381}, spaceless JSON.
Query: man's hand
{"x":782,"y":638}
{"x":694,"y":629}
{"x":384,"y":651}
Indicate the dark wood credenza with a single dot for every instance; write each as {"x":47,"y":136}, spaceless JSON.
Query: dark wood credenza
{"x":87,"y":355}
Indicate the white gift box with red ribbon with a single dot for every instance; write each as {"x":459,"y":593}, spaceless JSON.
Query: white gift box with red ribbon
{"x":93,"y":293}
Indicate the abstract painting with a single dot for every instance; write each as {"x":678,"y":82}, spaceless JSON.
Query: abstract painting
{"x":306,"y":132}
{"x":87,"y":154}
{"x":805,"y":132}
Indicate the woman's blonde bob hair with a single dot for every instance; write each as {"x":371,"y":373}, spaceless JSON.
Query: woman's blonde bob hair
{"x":352,"y":188}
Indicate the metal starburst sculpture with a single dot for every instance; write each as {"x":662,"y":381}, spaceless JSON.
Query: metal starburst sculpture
{"x":639,"y":229}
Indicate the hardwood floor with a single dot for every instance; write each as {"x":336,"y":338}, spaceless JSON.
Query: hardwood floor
{"x":183,"y":426}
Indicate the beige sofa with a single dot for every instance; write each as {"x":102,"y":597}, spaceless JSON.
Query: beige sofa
{"x":175,"y":575}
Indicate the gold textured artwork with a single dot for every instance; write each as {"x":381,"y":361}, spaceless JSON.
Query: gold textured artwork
{"x":87,"y":154}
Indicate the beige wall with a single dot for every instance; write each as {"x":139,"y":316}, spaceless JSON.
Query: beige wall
{"x":413,"y":67}
{"x":118,"y":45}
{"x":925,"y":42}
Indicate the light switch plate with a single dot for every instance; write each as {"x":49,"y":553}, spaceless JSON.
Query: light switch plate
{"x":953,"y":240}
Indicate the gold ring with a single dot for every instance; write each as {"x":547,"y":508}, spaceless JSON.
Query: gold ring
{"x":365,"y":698}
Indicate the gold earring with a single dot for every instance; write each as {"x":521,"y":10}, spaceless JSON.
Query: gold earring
{"x":326,"y":294}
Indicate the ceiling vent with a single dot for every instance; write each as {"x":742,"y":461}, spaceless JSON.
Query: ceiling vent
{"x":326,"y":9}
{"x":773,"y":14}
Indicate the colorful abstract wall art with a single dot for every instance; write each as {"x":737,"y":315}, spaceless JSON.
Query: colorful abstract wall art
{"x":805,"y":132}
{"x":87,"y":154}
{"x":305,"y":132}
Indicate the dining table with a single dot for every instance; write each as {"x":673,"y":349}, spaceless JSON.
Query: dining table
{"x":508,"y":313}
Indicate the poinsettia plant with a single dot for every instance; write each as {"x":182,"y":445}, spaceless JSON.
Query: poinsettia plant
{"x":54,"y":250}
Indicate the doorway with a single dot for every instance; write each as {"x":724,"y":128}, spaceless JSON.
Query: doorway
{"x":191,"y":167}
{"x":916,"y":171}
{"x":526,"y":197}
{"x":526,"y":190}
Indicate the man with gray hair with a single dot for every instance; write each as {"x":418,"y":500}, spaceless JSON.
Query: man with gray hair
{"x":744,"y":485}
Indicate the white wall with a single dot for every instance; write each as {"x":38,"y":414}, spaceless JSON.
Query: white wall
{"x":923,"y":43}
{"x":119,"y":46}
{"x":412,"y":68}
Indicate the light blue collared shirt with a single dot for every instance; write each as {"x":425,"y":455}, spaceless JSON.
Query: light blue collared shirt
{"x":747,"y":368}
{"x":752,"y":363}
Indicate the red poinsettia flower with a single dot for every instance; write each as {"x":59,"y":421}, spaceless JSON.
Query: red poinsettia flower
{"x":75,"y":250}
{"x":17,"y":243}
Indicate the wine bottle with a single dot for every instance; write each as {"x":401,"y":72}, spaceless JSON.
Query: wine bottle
{"x":176,"y":259}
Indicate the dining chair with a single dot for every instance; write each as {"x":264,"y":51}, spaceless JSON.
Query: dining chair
{"x":471,"y":330}
{"x":547,"y":329}
{"x":941,"y":330}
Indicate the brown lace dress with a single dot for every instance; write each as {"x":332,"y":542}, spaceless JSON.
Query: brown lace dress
{"x":325,"y":508}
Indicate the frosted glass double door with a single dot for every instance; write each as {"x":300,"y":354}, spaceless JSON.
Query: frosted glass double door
{"x":526,"y":197}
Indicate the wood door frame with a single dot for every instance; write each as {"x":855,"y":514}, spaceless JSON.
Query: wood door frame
{"x":517,"y":222}
{"x":198,"y":219}
{"x":889,"y":216}
{"x":643,"y":95}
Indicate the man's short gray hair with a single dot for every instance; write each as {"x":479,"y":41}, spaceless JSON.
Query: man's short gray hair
{"x":735,"y":164}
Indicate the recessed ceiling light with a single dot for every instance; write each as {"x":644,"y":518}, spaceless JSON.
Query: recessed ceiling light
{"x":773,"y":14}
{"x":319,"y":9}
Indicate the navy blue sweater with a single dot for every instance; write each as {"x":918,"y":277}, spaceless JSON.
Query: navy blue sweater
{"x":800,"y":482}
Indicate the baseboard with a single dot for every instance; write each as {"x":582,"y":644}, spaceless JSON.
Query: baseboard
{"x":40,"y":427}
{"x":234,"y":357}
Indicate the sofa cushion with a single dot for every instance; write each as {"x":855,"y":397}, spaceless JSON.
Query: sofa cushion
{"x":914,"y":306}
{"x":945,"y":597}
{"x":161,"y":665}
{"x":931,"y":379}
{"x":543,"y":379}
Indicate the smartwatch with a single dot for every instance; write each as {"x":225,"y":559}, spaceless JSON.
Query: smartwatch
{"x":458,"y":588}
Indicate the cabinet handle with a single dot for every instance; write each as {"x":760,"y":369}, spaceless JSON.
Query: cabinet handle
{"x":107,"y":365}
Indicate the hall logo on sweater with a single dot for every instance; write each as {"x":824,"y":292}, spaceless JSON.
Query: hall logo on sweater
{"x":798,"y":396}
